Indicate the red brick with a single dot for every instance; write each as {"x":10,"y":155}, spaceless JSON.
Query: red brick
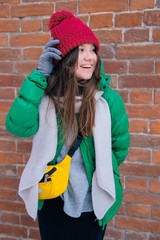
{"x":28,"y":221}
{"x":11,"y":158}
{"x":114,"y":82}
{"x":139,"y":81}
{"x":6,"y":238}
{"x":10,"y":1}
{"x":27,"y":157}
{"x":34,"y":233}
{"x":10,"y":54}
{"x":20,"y":170}
{"x":107,"y":51}
{"x":109,"y":36}
{"x":139,"y":170}
{"x":155,"y":127}
{"x":29,"y":39}
{"x":24,"y":147}
{"x":25,"y":67}
{"x":141,"y":96}
{"x":2,"y":119}
{"x":141,"y":67}
{"x":91,"y":6}
{"x":101,"y":20}
{"x":8,"y":194}
{"x":155,"y":213}
{"x":140,"y":5}
{"x":156,"y":34}
{"x":136,"y":236}
{"x":5,"y":134}
{"x":152,"y":18}
{"x":111,"y":223}
{"x":10,"y":218}
{"x":137,"y":224}
{"x":136,"y":35}
{"x":9,"y":182}
{"x":154,"y":237}
{"x":9,"y":25}
{"x":124,"y":95}
{"x":4,"y":11}
{"x":68,"y":6}
{"x":17,"y":231}
{"x":141,"y":198}
{"x":158,"y":67}
{"x":143,"y":111}
{"x":138,"y":211}
{"x":8,"y":170}
{"x":31,"y":25}
{"x":113,"y":233}
{"x":139,"y":155}
{"x":83,"y":18}
{"x":134,"y":183}
{"x":5,"y":106}
{"x":3,"y":39}
{"x":138,"y":126}
{"x":145,"y":141}
{"x":26,"y":10}
{"x":45,"y":25}
{"x":115,"y":66}
{"x":122,"y":209}
{"x":11,"y":80}
{"x":138,"y":51}
{"x":6,"y":67}
{"x":12,"y":206}
{"x":122,"y":181}
{"x":156,"y":156}
{"x":157,"y":96}
{"x":31,"y":1}
{"x":32,"y":53}
{"x":128,"y":19}
{"x":154,"y":186}
{"x":8,"y":93}
{"x":6,"y":145}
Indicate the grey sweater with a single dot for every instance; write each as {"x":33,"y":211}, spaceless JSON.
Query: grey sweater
{"x":77,"y":198}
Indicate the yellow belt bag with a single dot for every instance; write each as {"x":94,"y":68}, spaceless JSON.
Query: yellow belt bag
{"x":55,"y":178}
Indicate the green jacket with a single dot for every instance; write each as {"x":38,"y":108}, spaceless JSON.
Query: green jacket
{"x":23,"y":121}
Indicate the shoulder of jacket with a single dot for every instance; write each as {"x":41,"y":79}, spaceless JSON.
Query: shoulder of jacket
{"x":114,"y":100}
{"x":111,"y":95}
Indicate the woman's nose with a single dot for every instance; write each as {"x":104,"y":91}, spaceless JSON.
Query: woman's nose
{"x":88,"y":55}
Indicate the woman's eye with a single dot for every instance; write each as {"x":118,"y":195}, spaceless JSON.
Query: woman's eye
{"x":81,"y":49}
{"x":94,"y":50}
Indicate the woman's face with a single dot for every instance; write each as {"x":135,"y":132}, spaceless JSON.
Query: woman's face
{"x":87,"y":59}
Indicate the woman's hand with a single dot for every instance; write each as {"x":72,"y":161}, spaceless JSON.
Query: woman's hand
{"x":46,"y":64}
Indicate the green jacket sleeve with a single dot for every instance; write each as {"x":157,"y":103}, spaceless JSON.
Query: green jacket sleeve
{"x":120,"y":126}
{"x":23,"y":117}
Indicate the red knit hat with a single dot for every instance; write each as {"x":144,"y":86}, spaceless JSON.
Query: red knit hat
{"x":71,"y":32}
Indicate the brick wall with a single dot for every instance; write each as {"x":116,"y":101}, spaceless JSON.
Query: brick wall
{"x":129,"y":33}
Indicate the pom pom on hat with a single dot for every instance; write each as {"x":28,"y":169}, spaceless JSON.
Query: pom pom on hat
{"x":70,"y":31}
{"x":58,"y":17}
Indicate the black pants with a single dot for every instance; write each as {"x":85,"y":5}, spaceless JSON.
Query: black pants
{"x":54,"y":224}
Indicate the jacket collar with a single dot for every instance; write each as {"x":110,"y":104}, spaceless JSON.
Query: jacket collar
{"x":105,"y":79}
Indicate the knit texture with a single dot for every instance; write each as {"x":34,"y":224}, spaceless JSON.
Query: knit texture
{"x":71,"y":32}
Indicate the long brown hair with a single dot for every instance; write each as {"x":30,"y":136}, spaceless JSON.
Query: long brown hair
{"x":63,"y":83}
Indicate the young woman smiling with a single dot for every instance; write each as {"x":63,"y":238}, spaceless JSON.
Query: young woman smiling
{"x":68,"y":93}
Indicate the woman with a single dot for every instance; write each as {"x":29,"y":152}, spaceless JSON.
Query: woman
{"x":55,"y":102}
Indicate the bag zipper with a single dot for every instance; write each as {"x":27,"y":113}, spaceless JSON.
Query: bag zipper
{"x":46,"y":175}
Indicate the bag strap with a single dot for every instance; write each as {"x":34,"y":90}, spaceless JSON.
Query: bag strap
{"x":75,"y":144}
